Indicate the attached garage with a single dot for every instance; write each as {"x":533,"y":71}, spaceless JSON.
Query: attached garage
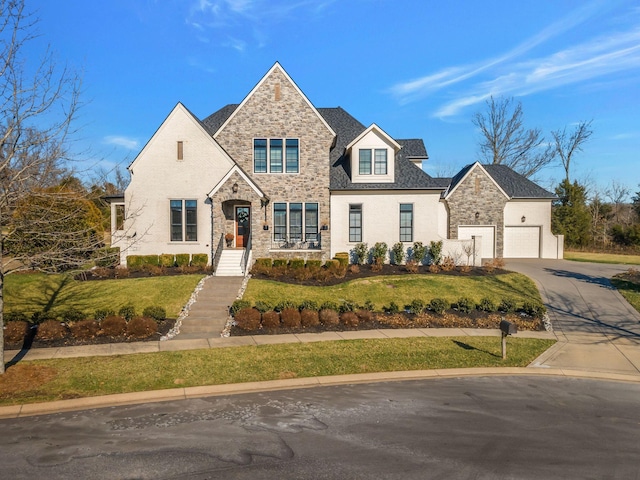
{"x":521,"y":242}
{"x":488,"y":234}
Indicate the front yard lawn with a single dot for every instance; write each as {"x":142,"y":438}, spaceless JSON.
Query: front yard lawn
{"x":602,"y":258}
{"x":628,"y":284}
{"x":38,"y":292}
{"x":48,"y":380}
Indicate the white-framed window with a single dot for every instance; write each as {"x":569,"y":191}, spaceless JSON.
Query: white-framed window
{"x":406,"y":222}
{"x":377,"y":156}
{"x":184,"y":220}
{"x":295,"y":221}
{"x":355,"y":222}
{"x":276,"y":155}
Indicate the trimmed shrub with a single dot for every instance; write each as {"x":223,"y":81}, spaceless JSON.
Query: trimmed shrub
{"x":182,"y":259}
{"x":314,"y":264}
{"x":284,"y":304}
{"x":465,"y":305}
{"x":447,"y":264}
{"x":360,"y":252}
{"x":332,"y":264}
{"x":349,"y":319}
{"x":411,"y":266}
{"x":296,"y":263}
{"x":107,"y":257}
{"x":364,"y":315}
{"x":51,"y":330}
{"x":156,"y":312}
{"x":16,"y":331}
{"x":392,"y":308}
{"x":507,"y":305}
{"x":417,"y":306}
{"x":379,"y":253}
{"x":435,"y":251}
{"x":534,"y":309}
{"x":166,"y":260}
{"x":418,"y":252}
{"x":434,"y":268}
{"x":439,"y":305}
{"x":309,"y":318}
{"x":113,"y":326}
{"x":262,"y":306}
{"x":309,"y":305}
{"x":247,"y":319}
{"x":290,"y":317}
{"x":347,"y":306}
{"x":398,"y":253}
{"x":15,"y":317}
{"x":72,"y":314}
{"x":328,"y":305}
{"x":487,"y":305}
{"x":264,"y":262}
{"x":84,"y":329}
{"x":199,"y":260}
{"x":102,"y":313}
{"x":343,"y":258}
{"x":239,"y":305}
{"x":141,"y":327}
{"x":354,"y":268}
{"x":270,"y":319}
{"x":336,"y":268}
{"x":368,"y":305}
{"x":127,"y":311}
{"x":139,"y":261}
{"x":280,"y":262}
{"x":329,"y":317}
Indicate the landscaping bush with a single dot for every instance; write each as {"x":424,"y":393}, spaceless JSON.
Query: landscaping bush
{"x":534,"y":309}
{"x":343,"y":258}
{"x":102,"y":313}
{"x":200,"y":260}
{"x":166,"y":260}
{"x":417,"y":306}
{"x":296,"y":263}
{"x":329,"y":317}
{"x":392,"y":308}
{"x":349,"y":319}
{"x":153,"y":270}
{"x":439,"y":305}
{"x":309,"y":305}
{"x":507,"y":305}
{"x":141,"y":327}
{"x":487,"y":305}
{"x":290,"y":317}
{"x":465,"y":305}
{"x":368,"y":305}
{"x":113,"y":326}
{"x":447,"y":264}
{"x":139,"y":261}
{"x":411,"y":266}
{"x":332,"y":264}
{"x":309,"y":318}
{"x":264,"y":262}
{"x":328,"y":305}
{"x":270,"y":319}
{"x":239,"y":305}
{"x":16,"y":331}
{"x":280,"y":262}
{"x":51,"y":330}
{"x":156,"y":312}
{"x":435,"y":251}
{"x":347,"y":306}
{"x":434,"y":268}
{"x":182,"y":259}
{"x":72,"y":314}
{"x":262,"y":306}
{"x":364,"y":315}
{"x":355,"y":269}
{"x":284,"y":304}
{"x":127,"y":311}
{"x":398,"y":253}
{"x":336,"y":268}
{"x":379,"y":253}
{"x":247,"y":319}
{"x":314,"y":264}
{"x":418,"y":252}
{"x":84,"y":329}
{"x":360,"y":252}
{"x":107,"y":257}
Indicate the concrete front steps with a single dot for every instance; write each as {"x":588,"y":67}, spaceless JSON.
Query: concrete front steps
{"x":208,"y":314}
{"x":230,"y":264}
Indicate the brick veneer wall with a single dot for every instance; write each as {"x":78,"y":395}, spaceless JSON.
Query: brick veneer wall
{"x":277,"y":110}
{"x":477,"y":193}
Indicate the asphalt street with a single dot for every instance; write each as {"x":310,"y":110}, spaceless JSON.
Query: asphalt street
{"x":462,"y":428}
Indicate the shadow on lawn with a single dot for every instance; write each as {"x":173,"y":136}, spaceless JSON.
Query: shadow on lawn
{"x":466,"y":346}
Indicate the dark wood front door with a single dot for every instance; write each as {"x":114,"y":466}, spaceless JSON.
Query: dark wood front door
{"x":243,"y":226}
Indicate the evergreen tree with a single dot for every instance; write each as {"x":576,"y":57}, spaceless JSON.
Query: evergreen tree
{"x":570,"y":215}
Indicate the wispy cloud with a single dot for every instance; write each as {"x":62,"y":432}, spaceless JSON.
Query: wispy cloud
{"x":506,"y":75}
{"x":121,"y":141}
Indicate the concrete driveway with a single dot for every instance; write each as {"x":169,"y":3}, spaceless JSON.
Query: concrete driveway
{"x":596,"y":327}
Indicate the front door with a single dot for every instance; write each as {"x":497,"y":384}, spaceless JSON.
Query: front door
{"x":243,"y":226}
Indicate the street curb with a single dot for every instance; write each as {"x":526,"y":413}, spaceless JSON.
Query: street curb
{"x":18,"y":411}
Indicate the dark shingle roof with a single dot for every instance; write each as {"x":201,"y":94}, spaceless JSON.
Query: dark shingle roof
{"x":407,"y":175}
{"x":514,"y":184}
{"x":214,"y":121}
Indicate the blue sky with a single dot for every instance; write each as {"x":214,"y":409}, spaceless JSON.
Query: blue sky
{"x":418,"y":69}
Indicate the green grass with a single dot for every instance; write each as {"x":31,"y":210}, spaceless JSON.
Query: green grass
{"x":48,"y":380}
{"x":602,"y":258}
{"x":37,"y":292}
{"x":629,"y":290}
{"x":401,"y":289}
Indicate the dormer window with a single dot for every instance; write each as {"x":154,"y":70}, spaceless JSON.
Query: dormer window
{"x":372,"y":156}
{"x":380,"y":166}
{"x":379,"y":161}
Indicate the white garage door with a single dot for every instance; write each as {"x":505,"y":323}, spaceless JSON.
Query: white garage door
{"x":488,"y":234}
{"x":521,"y":242}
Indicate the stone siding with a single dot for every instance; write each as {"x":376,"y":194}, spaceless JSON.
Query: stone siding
{"x":275,"y":109}
{"x":477,"y":193}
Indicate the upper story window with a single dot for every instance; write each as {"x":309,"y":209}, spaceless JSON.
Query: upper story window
{"x":276,"y":155}
{"x":379,"y":161}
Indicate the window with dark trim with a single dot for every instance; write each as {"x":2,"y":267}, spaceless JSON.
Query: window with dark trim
{"x":291,"y":220}
{"x":311,"y":222}
{"x":355,"y":223}
{"x":406,"y":222}
{"x":280,"y":221}
{"x":380,"y":162}
{"x":184,"y":220}
{"x":365,"y":162}
{"x":276,"y":155}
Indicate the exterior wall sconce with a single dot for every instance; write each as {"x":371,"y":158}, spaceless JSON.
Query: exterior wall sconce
{"x":477,"y":215}
{"x":234,"y":188}
{"x":324,"y":227}
{"x":523,"y":219}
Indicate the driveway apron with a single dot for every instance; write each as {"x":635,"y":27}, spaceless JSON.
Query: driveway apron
{"x":596,"y":327}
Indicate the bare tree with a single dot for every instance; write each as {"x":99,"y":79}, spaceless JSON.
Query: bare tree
{"x":505,"y":140}
{"x":38,"y":103}
{"x":568,"y":143}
